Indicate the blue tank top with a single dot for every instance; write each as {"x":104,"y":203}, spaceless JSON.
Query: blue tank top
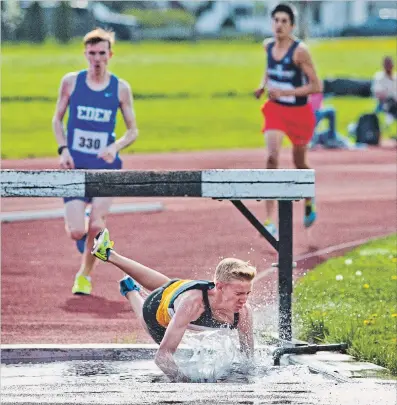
{"x":91,"y":123}
{"x":285,"y":75}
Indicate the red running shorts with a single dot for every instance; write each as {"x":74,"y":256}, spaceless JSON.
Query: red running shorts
{"x":297,"y":122}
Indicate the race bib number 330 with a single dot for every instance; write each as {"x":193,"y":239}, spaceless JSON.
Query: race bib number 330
{"x":89,"y":142}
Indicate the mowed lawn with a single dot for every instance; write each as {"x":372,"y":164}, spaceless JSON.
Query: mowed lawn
{"x":189,"y":96}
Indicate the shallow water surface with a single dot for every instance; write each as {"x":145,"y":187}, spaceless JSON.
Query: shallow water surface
{"x":141,"y":382}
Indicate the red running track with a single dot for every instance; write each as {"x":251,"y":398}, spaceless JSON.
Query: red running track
{"x":356,"y":193}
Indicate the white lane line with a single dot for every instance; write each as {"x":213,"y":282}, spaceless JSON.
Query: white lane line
{"x":323,"y":251}
{"x":14,"y":216}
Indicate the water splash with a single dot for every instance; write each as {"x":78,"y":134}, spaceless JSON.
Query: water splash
{"x":214,"y":354}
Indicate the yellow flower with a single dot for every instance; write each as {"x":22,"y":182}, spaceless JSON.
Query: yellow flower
{"x":394,"y":315}
{"x":394,"y":277}
{"x":366,"y":285}
{"x":394,"y":260}
{"x":368,"y":322}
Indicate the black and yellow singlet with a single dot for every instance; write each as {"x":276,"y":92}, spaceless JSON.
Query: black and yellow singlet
{"x":158,"y":308}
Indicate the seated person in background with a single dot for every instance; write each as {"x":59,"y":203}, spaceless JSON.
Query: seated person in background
{"x":384,"y":88}
{"x":321,"y":112}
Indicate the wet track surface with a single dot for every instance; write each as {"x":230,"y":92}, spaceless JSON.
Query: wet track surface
{"x":141,"y":382}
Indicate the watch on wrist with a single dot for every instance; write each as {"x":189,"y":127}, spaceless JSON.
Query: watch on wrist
{"x":61,"y":148}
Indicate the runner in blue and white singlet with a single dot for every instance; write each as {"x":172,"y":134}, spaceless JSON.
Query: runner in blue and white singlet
{"x":284,"y":74}
{"x":93,"y":97}
{"x":91,"y":123}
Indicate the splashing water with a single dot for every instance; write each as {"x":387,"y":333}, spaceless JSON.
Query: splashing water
{"x":214,"y":354}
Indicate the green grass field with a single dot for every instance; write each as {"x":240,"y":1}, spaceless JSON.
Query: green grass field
{"x":189,"y":96}
{"x":353,"y":299}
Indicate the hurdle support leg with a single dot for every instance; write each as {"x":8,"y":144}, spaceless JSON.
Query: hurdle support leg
{"x":254,"y":221}
{"x":285,"y":269}
{"x":285,"y":263}
{"x":307,"y":349}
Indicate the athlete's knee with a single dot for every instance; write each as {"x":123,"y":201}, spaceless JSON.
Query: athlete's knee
{"x":272,"y":161}
{"x":95,"y":227}
{"x":76,"y":234}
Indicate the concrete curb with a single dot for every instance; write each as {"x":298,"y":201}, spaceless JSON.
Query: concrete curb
{"x":11,"y":354}
{"x":339,"y":366}
{"x":46,"y":353}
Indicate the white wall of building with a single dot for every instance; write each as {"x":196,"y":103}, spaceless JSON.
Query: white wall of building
{"x":323,"y":16}
{"x":358,"y":12}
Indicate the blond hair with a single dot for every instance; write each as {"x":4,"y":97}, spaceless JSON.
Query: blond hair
{"x":234,"y":269}
{"x":99,"y":35}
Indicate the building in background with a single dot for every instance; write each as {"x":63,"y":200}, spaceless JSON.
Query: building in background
{"x":216,"y":19}
{"x":254,"y":16}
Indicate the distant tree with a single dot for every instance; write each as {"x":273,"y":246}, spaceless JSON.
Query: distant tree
{"x":63,"y":20}
{"x":11,"y":18}
{"x":34,"y":23}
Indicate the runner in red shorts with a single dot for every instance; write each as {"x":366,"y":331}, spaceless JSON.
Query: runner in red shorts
{"x":289,"y":78}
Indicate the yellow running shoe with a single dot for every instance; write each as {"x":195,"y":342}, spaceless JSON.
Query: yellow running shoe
{"x":102,"y":245}
{"x":82,"y":285}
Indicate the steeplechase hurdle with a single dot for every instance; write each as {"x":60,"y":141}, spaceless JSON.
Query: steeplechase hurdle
{"x":235,"y":185}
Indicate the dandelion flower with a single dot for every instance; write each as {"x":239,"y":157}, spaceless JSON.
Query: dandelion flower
{"x":394,"y":277}
{"x":394,"y":315}
{"x":366,"y":285}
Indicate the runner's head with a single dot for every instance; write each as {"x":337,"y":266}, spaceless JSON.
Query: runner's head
{"x":98,"y":48}
{"x":234,"y":279}
{"x":283,"y":20}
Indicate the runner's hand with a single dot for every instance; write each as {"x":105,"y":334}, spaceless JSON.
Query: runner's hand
{"x":258,"y":93}
{"x":108,"y":154}
{"x":66,"y":161}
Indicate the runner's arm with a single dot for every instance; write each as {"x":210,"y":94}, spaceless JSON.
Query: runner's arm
{"x":378,"y":88}
{"x":246,"y":331}
{"x":60,"y":110}
{"x":263,"y":82}
{"x":262,"y":85}
{"x":65,"y":90}
{"x":127,"y":110}
{"x":303,"y":59}
{"x":187,"y":310}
